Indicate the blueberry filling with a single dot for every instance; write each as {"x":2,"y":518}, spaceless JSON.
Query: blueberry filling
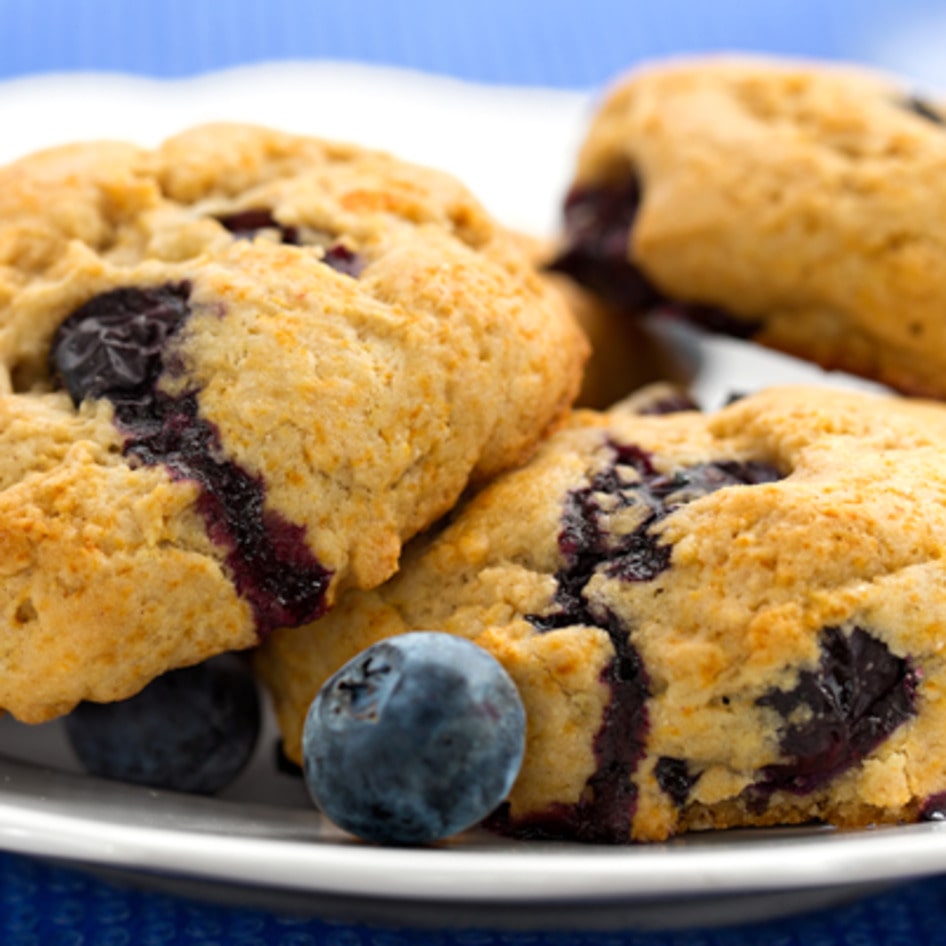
{"x":246,"y":224}
{"x":344,"y":260}
{"x":838,"y":713}
{"x":716,"y":320}
{"x":639,"y":556}
{"x":603,"y":814}
{"x":923,"y":108}
{"x":619,"y":744}
{"x":934,"y":808}
{"x":111,"y":347}
{"x":598,"y":226}
{"x":675,"y":779}
{"x":115,"y":347}
{"x":587,"y":544}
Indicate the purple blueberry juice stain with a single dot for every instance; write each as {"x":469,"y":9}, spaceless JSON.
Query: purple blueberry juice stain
{"x":639,"y":556}
{"x":604,"y":813}
{"x":246,"y":224}
{"x":838,"y":713}
{"x":675,"y":779}
{"x":934,"y":808}
{"x":923,"y":109}
{"x":343,"y":260}
{"x":714,"y":319}
{"x":588,"y":546}
{"x":619,"y":743}
{"x":114,"y":347}
{"x":599,"y":221}
{"x":598,"y":224}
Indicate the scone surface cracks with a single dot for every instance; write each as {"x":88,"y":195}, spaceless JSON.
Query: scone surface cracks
{"x":240,"y":370}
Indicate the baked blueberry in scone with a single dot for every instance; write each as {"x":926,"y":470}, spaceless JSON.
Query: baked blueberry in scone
{"x":714,"y":619}
{"x":236,"y":373}
{"x":796,"y":204}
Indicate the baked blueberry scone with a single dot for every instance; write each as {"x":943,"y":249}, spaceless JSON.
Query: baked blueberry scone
{"x":236,"y":373}
{"x":624,"y":355}
{"x":801,"y":205}
{"x":714,"y":619}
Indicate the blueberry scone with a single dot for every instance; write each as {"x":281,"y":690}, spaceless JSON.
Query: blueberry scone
{"x":236,"y":373}
{"x":796,"y":204}
{"x":624,"y":355}
{"x":714,"y":619}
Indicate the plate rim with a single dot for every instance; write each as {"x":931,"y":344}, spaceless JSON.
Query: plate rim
{"x":78,"y":818}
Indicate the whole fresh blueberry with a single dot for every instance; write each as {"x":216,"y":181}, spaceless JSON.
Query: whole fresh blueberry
{"x":189,"y":730}
{"x":417,"y":738}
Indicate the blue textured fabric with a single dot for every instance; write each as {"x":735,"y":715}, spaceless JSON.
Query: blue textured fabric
{"x":559,"y":43}
{"x":42,"y":905}
{"x":556,"y":42}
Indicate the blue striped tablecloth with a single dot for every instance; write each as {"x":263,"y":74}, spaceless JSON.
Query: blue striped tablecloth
{"x":561,"y":43}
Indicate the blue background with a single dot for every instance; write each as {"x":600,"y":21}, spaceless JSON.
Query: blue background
{"x":559,"y":43}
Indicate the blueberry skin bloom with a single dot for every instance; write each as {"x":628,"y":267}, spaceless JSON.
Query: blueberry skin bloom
{"x":417,"y":738}
{"x":190,"y":730}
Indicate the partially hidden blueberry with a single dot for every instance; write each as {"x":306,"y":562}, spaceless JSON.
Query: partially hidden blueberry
{"x":190,"y":730}
{"x":417,"y":738}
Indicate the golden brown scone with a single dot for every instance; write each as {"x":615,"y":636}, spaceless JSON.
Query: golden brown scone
{"x":624,"y":356}
{"x":236,"y":373}
{"x":795,"y":203}
{"x":714,"y":620}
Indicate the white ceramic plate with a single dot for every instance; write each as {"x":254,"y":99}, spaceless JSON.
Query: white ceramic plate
{"x":262,"y":841}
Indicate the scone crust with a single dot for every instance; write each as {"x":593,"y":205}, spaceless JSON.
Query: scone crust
{"x":358,"y":405}
{"x":804,"y":199}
